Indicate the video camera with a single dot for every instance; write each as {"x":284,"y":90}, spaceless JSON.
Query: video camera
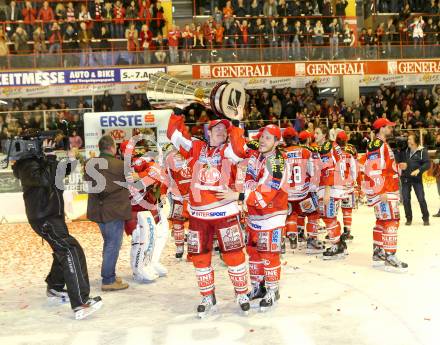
{"x":399,"y":143}
{"x":27,"y":145}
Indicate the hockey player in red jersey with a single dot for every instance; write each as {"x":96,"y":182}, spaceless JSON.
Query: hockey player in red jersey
{"x":148,"y":226}
{"x":331,"y":191}
{"x":179,"y":181}
{"x":266,"y":200}
{"x":382,"y":190}
{"x":303,"y":200}
{"x":214,"y":169}
{"x":348,"y":203}
{"x":289,"y":136}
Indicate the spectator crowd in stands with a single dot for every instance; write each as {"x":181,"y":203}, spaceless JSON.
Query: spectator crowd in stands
{"x":135,"y":31}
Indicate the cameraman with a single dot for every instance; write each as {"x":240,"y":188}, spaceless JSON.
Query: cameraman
{"x":44,"y":206}
{"x":413,"y":161}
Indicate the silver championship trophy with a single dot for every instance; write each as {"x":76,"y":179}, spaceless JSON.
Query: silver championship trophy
{"x":224,"y":98}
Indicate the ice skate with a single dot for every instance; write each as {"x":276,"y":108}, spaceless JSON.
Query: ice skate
{"x":269,"y":299}
{"x":147,"y":275}
{"x":160,"y":269}
{"x":336,"y":251}
{"x":293,"y":241}
{"x":301,"y":236}
{"x":87,"y":309}
{"x":314,"y":246}
{"x":207,"y":306}
{"x":348,"y":235}
{"x":57,"y":296}
{"x":258,"y":290}
{"x":283,"y":246}
{"x":179,"y":252}
{"x":244,"y":303}
{"x":379,"y":257}
{"x":393,"y":264}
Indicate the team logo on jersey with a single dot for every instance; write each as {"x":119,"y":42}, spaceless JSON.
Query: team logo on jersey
{"x":294,"y":154}
{"x":185,"y":172}
{"x":209,"y":175}
{"x":250,"y":185}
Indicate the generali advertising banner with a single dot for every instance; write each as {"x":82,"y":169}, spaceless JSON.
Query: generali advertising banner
{"x":248,"y":70}
{"x":326,"y":68}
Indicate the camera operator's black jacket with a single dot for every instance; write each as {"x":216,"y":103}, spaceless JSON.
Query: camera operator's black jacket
{"x":418,"y":160}
{"x":42,"y":198}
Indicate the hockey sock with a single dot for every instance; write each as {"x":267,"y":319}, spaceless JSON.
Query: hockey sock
{"x":333,"y":229}
{"x":377,"y":234}
{"x":272,"y":269}
{"x":238,"y":277}
{"x":389,"y":236}
{"x":312,"y":226}
{"x":256,"y":266}
{"x":179,"y":233}
{"x":346,"y":214}
{"x":205,"y":280}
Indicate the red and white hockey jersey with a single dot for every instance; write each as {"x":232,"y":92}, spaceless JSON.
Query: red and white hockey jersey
{"x":179,"y":175}
{"x":351,"y":167}
{"x":302,"y":161}
{"x":213,"y":170}
{"x":332,"y":170}
{"x":381,"y":173}
{"x":265,"y":183}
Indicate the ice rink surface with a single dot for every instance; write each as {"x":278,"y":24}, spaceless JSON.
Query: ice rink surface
{"x":334,"y":303}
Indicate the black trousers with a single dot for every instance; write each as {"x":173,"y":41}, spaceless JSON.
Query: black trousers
{"x":407,"y":184}
{"x":69,"y":267}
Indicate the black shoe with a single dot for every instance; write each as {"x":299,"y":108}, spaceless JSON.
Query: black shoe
{"x":437,"y":214}
{"x":426,"y":222}
{"x":408,"y":222}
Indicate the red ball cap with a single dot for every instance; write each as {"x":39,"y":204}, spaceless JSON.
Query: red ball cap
{"x":214,"y":123}
{"x":342,"y":136}
{"x":289,"y":132}
{"x":303,"y":135}
{"x":382,"y":122}
{"x":272,"y":129}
